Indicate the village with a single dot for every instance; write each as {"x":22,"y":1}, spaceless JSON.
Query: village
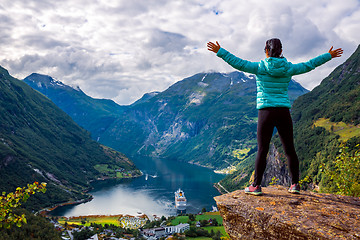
{"x":118,"y":227}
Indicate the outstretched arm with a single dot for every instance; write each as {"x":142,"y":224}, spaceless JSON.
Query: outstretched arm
{"x":315,"y":62}
{"x":232,"y":60}
{"x":336,"y":53}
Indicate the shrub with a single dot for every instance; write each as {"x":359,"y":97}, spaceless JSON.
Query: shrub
{"x":344,"y":172}
{"x":12,"y":200}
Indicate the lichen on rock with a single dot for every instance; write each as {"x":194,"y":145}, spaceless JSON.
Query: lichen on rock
{"x":280,"y":215}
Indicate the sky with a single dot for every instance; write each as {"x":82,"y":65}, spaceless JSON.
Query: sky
{"x":122,"y":49}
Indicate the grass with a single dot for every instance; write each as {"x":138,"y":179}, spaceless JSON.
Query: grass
{"x":180,"y":219}
{"x":209,"y":215}
{"x":205,"y":216}
{"x":240,"y":153}
{"x":92,"y":219}
{"x":110,"y":171}
{"x":221,"y":229}
{"x":103,"y":168}
{"x":345,"y":131}
{"x":119,"y":175}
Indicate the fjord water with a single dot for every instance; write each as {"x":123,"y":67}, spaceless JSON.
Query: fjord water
{"x":152,"y":193}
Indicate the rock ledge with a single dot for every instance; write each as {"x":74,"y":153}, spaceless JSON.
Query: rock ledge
{"x":280,"y":215}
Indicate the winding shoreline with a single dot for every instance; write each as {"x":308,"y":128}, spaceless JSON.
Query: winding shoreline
{"x":45,"y":211}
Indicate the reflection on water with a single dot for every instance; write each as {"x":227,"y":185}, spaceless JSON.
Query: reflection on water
{"x":152,"y":193}
{"x":121,"y":200}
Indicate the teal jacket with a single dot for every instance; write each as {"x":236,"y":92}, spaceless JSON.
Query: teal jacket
{"x":272,"y":76}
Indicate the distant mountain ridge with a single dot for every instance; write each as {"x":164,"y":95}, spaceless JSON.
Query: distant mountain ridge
{"x":207,"y":119}
{"x":145,"y":97}
{"x":40,"y":142}
{"x":84,"y":110}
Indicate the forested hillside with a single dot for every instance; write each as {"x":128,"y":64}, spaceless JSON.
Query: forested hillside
{"x":39,"y":142}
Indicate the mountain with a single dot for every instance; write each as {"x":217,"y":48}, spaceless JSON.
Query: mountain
{"x":84,"y":110}
{"x":40,"y":142}
{"x":207,"y":119}
{"x":145,"y":97}
{"x":326,"y":123}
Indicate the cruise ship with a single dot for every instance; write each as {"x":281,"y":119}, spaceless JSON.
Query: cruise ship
{"x":180,"y":201}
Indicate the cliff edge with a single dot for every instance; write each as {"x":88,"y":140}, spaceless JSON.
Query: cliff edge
{"x":280,"y":215}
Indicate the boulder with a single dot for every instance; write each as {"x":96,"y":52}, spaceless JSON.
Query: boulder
{"x":281,"y":215}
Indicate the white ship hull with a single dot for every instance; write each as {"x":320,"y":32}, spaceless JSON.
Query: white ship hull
{"x":180,"y":201}
{"x":181,"y":206}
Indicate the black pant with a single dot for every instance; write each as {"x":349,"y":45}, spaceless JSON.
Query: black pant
{"x":268,"y":118}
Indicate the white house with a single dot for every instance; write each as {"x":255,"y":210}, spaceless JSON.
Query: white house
{"x":182,"y":227}
{"x":169,"y":230}
{"x":165,"y":230}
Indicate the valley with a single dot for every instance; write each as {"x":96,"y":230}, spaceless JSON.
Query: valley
{"x":207,"y":119}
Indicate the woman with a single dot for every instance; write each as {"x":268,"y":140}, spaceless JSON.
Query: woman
{"x":273,"y":75}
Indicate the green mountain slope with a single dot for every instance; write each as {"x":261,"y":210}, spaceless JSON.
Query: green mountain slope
{"x":325,"y":120}
{"x":207,"y":119}
{"x":88,"y":112}
{"x":39,"y":142}
{"x":337,"y":99}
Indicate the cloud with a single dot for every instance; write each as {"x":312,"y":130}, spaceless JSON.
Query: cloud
{"x":42,"y":42}
{"x":72,"y":64}
{"x":348,"y":27}
{"x":166,"y":42}
{"x":123,"y":49}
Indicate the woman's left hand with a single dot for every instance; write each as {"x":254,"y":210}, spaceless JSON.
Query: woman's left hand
{"x":213,"y":47}
{"x":336,"y":53}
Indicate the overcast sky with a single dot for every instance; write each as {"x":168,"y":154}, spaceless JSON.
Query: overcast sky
{"x":121,"y":49}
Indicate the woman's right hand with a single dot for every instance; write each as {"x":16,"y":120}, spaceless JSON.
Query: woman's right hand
{"x":213,"y":47}
{"x":335,"y":53}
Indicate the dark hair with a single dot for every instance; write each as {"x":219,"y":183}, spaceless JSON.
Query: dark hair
{"x":274,"y":47}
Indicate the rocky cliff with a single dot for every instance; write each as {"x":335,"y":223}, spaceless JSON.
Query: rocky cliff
{"x":277,"y":170}
{"x":279,"y":215}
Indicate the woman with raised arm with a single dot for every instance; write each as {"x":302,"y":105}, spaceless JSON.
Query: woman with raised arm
{"x":273,"y":75}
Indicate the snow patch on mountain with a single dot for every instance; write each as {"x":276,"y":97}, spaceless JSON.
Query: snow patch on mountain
{"x":202,"y":84}
{"x":196,"y":98}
